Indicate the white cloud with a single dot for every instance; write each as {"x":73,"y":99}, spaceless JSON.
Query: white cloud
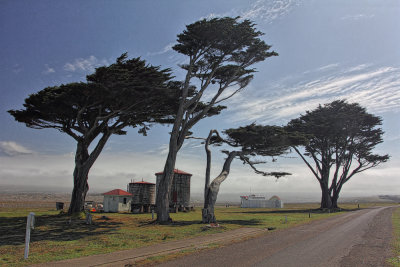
{"x":262,"y":10}
{"x":85,"y":64}
{"x":162,"y":150}
{"x":166,"y":49}
{"x":17,"y":68}
{"x":268,"y":11}
{"x":378,"y":89}
{"x":48,"y":69}
{"x":329,"y":67}
{"x":357,"y":17}
{"x":11,"y":148}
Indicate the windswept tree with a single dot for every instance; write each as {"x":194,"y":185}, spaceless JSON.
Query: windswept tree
{"x":249,"y":142}
{"x":220,"y":54}
{"x":341,"y":137}
{"x":126,"y":93}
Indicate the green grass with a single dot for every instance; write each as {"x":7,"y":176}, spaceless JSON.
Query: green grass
{"x":54,"y":238}
{"x":395,"y":261}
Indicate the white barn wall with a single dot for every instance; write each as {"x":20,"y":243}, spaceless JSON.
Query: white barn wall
{"x":116,"y":203}
{"x":260,"y":202}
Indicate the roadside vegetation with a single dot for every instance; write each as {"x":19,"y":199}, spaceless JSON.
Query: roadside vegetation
{"x":395,"y":261}
{"x":58,"y":236}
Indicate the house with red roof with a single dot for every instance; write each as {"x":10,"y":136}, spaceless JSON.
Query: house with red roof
{"x":117,"y":200}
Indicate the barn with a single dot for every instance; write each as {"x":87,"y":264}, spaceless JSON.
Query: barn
{"x":179,"y":195}
{"x":258,"y":201}
{"x":144,"y":196}
{"x":117,"y":200}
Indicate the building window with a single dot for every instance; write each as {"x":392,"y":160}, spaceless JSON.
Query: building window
{"x":124,"y":200}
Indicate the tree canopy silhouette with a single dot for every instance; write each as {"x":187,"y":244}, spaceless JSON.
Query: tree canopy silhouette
{"x":220,"y":54}
{"x":249,"y":142}
{"x":341,"y":137}
{"x":126,"y":93}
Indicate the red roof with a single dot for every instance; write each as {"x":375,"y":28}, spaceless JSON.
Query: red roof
{"x":177,"y":172}
{"x":118,"y":192}
{"x":142,"y":182}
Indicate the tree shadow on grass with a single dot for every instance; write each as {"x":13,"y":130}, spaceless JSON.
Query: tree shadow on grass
{"x":313,"y":211}
{"x":250,"y":222}
{"x":52,"y":227}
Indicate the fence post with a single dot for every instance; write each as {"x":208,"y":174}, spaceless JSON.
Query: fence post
{"x":30,"y":224}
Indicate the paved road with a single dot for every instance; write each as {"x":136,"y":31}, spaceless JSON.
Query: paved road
{"x":360,"y":238}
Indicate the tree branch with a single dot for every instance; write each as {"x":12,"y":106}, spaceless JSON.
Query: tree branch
{"x":306,"y":162}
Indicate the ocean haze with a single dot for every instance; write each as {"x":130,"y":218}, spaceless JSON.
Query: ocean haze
{"x":196,"y":197}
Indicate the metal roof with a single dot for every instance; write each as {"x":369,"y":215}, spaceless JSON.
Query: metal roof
{"x":117,"y":192}
{"x":177,"y":171}
{"x":141,"y":182}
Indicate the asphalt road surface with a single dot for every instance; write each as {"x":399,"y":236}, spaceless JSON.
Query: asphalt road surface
{"x":360,"y":238}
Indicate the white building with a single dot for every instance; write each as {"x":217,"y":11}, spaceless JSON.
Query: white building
{"x":254,"y":201}
{"x":117,"y":200}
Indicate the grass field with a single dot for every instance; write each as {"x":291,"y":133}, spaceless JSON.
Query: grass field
{"x":57,"y":236}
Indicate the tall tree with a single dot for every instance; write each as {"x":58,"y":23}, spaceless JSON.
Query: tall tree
{"x":126,"y":93}
{"x":220,"y":52}
{"x":251,"y":141}
{"x":341,"y":137}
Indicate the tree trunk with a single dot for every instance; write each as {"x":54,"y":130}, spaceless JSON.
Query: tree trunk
{"x":334,"y":199}
{"x":208,"y":215}
{"x":83,"y":162}
{"x":335,"y":195}
{"x":81,"y":172}
{"x":81,"y":187}
{"x":162,"y":198}
{"x":326,"y":201}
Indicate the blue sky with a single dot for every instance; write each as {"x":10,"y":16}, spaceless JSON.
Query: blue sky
{"x":328,"y":50}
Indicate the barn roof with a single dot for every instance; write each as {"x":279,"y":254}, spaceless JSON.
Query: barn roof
{"x":275,"y":197}
{"x":141,"y":182}
{"x":117,"y":192}
{"x":177,"y":171}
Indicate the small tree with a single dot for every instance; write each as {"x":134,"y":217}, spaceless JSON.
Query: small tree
{"x":127,"y":93}
{"x":220,"y":53}
{"x":341,"y":137}
{"x":252,"y":140}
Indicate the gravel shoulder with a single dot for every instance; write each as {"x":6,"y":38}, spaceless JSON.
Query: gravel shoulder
{"x":376,"y":246}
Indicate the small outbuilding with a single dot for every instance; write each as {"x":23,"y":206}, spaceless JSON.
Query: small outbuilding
{"x":179,"y":195}
{"x":144,"y":196}
{"x":117,"y":200}
{"x":257,"y":201}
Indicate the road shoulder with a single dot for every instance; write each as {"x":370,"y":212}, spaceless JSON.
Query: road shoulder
{"x":376,"y":248}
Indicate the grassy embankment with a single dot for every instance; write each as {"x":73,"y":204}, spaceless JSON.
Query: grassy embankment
{"x":58,"y":237}
{"x":395,"y":261}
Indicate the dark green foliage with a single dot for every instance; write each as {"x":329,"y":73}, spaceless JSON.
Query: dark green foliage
{"x":219,"y":37}
{"x":255,"y":141}
{"x":220,"y":51}
{"x":263,"y":140}
{"x":341,"y":137}
{"x":126,"y":93}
